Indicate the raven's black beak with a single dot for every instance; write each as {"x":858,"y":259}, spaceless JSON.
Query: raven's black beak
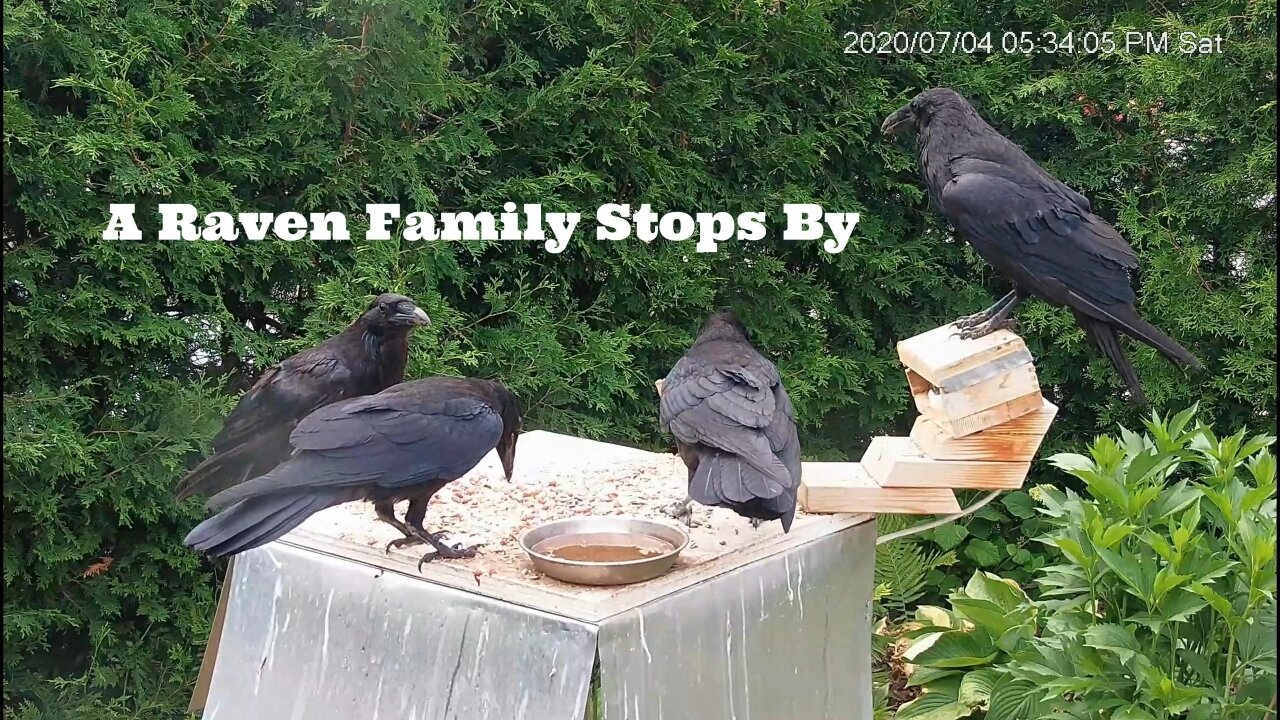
{"x":417,"y":318}
{"x":507,"y":454}
{"x":901,"y":118}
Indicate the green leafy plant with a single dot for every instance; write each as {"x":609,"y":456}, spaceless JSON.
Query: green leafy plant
{"x":998,"y":538}
{"x":956,"y":655}
{"x":902,"y":576}
{"x":904,"y":567}
{"x":1162,"y":605}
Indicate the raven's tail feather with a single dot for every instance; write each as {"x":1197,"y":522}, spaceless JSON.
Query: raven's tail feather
{"x":232,"y":467}
{"x":1144,"y":331}
{"x":215,"y":474}
{"x":723,"y":479}
{"x":257,"y":521}
{"x":1109,"y":343}
{"x":723,"y":476}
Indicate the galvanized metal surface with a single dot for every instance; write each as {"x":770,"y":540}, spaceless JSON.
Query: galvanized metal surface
{"x":314,"y":637}
{"x":986,"y":371}
{"x":785,"y":638}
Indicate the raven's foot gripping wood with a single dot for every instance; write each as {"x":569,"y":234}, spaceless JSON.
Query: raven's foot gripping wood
{"x":987,"y":327}
{"x":994,"y":318}
{"x":978,"y":318}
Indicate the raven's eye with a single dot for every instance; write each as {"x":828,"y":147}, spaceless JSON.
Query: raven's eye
{"x":383,"y":307}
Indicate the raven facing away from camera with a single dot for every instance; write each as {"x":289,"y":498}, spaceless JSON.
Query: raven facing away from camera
{"x":404,"y":443}
{"x":1030,"y":227}
{"x":367,"y":357}
{"x":734,"y":426}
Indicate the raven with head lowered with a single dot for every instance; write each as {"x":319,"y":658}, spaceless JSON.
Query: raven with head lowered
{"x":404,"y":443}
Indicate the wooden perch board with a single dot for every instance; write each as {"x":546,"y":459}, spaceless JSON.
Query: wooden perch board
{"x":896,"y":462}
{"x":982,"y":420}
{"x":959,"y":427}
{"x":841,"y":487}
{"x":948,"y":363}
{"x":1014,"y":441}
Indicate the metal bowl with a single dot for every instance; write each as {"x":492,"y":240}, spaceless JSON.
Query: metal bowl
{"x":666,"y":540}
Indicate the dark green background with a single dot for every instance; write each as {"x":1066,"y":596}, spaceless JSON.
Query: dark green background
{"x":120,"y":358}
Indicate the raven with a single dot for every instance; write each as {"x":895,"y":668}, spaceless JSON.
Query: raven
{"x":404,"y":443}
{"x":734,"y":426}
{"x":367,"y":357}
{"x":1033,"y":229}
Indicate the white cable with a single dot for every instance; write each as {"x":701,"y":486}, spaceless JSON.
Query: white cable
{"x":907,"y":532}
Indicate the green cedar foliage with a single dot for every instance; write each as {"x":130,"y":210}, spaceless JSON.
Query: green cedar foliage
{"x":120,"y":357}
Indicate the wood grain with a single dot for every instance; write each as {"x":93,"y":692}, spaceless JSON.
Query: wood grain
{"x":846,"y":487}
{"x":896,"y":462}
{"x":1013,"y":441}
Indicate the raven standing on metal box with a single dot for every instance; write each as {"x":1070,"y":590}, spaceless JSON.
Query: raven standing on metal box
{"x":734,"y":426}
{"x":405,"y":443}
{"x":367,"y":357}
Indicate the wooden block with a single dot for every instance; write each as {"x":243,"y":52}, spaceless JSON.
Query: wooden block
{"x":844,"y":487}
{"x":959,"y":427}
{"x":949,"y":363}
{"x":919,"y":390}
{"x":918,"y":385}
{"x":1013,"y":441}
{"x":992,"y":392}
{"x":898,"y":462}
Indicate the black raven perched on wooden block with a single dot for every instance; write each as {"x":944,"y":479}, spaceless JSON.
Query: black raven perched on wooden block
{"x":1034,"y":230}
{"x":734,"y":426}
{"x":404,"y":443}
{"x":367,"y":357}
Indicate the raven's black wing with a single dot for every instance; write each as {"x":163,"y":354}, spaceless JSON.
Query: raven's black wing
{"x":255,"y":436}
{"x":730,"y":406}
{"x":1040,"y":238}
{"x":784,"y":436}
{"x":380,"y":442}
{"x":285,"y":394}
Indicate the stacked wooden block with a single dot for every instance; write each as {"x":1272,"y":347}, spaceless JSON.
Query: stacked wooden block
{"x":982,"y":419}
